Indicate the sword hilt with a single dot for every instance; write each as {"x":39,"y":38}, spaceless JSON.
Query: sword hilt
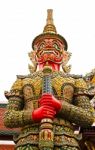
{"x":46,"y":135}
{"x":47,"y":86}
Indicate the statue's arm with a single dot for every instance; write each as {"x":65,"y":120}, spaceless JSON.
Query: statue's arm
{"x":81,"y":111}
{"x":81,"y":114}
{"x":15,"y":115}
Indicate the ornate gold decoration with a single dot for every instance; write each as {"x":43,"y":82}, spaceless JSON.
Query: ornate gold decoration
{"x":17,"y":85}
{"x":33,"y":67}
{"x":80,"y":83}
{"x":49,"y":28}
{"x":49,"y":31}
{"x":66,"y":56}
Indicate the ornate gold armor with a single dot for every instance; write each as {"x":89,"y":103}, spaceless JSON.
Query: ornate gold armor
{"x":23,"y":99}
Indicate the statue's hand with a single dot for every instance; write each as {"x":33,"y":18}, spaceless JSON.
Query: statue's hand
{"x":50,"y":100}
{"x":43,"y":112}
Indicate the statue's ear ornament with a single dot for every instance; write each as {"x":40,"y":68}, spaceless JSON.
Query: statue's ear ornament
{"x":32,"y":56}
{"x":66,"y":69}
{"x":66,"y":56}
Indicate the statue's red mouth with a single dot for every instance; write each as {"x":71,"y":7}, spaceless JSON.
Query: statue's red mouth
{"x":49,"y":55}
{"x":56,"y":53}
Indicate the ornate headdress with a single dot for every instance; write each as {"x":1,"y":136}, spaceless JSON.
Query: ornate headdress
{"x":48,"y":32}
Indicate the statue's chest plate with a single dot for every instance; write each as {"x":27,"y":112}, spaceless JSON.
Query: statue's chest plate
{"x":62,"y":87}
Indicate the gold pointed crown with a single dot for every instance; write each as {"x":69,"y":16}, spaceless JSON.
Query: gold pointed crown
{"x":49,"y":27}
{"x":49,"y":31}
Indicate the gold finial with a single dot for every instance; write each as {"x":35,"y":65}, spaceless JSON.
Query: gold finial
{"x":49,"y":28}
{"x":49,"y":16}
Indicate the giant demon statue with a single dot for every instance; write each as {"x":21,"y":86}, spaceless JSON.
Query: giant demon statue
{"x":49,"y":102}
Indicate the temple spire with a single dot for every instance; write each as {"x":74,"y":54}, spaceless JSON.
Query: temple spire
{"x":49,"y":27}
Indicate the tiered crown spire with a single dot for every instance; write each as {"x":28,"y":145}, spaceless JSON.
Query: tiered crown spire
{"x":49,"y":31}
{"x":49,"y":27}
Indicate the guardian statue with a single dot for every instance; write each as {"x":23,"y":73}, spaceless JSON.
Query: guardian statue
{"x":49,"y":102}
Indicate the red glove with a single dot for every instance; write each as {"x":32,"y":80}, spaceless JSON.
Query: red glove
{"x":43,"y":112}
{"x":50,"y":100}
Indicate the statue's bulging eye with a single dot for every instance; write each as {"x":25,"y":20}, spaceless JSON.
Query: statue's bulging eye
{"x":42,"y":46}
{"x":55,"y":45}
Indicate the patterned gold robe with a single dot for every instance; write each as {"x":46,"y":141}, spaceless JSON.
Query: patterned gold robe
{"x":23,"y":97}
